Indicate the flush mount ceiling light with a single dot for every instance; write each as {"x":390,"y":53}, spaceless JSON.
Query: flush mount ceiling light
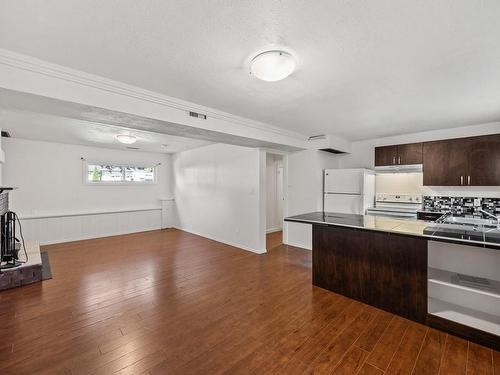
{"x":272,"y":66}
{"x":127,"y":139}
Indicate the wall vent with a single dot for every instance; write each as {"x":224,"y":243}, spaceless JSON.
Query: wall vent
{"x":316,"y":137}
{"x":332,"y":150}
{"x":198,"y":115}
{"x":5,"y":134}
{"x":132,"y":148}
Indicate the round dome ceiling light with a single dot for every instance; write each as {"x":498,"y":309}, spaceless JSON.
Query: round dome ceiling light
{"x":272,"y":66}
{"x":127,"y":139}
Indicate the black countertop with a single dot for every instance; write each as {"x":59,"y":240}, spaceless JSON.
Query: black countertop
{"x":484,"y":235}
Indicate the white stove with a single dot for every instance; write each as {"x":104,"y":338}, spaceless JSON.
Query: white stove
{"x":395,"y":204}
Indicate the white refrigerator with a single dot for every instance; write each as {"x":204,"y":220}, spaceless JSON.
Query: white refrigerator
{"x":349,"y":191}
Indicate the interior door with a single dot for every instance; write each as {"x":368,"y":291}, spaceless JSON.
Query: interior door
{"x":344,"y":181}
{"x":386,"y":155}
{"x":484,"y":161}
{"x":279,"y":194}
{"x":445,"y":163}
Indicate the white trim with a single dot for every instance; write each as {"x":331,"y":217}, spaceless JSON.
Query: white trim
{"x":94,"y":237}
{"x":31,"y":64}
{"x":85,"y":213}
{"x":243,"y":247}
{"x":273,"y":230}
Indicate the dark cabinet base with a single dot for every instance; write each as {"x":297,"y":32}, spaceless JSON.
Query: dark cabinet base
{"x":484,"y":338}
{"x":388,"y":271}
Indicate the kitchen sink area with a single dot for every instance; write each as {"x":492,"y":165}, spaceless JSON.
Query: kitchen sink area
{"x":469,"y":221}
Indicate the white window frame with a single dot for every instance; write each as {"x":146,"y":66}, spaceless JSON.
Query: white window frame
{"x":118,"y":183}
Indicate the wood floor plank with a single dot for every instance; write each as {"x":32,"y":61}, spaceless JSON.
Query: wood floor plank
{"x":429,"y":359}
{"x":479,"y":360}
{"x":405,"y":357}
{"x":385,"y":348}
{"x":496,"y":362}
{"x":370,"y":370}
{"x":273,"y":240}
{"x":375,"y":330}
{"x":352,"y":362}
{"x":169,"y":302}
{"x":454,"y":359}
{"x":329,"y":358}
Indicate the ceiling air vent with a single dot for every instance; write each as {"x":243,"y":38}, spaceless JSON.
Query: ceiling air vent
{"x":316,"y":137}
{"x":322,"y":141}
{"x":198,"y":115}
{"x":132,"y":148}
{"x":5,"y":134}
{"x":333,"y":151}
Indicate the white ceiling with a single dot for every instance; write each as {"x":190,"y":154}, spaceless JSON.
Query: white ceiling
{"x":38,"y":126}
{"x":366,"y":68}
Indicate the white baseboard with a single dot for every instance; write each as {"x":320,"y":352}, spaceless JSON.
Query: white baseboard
{"x":65,"y":228}
{"x":272,"y":230}
{"x":239,"y":246}
{"x":95,"y":237}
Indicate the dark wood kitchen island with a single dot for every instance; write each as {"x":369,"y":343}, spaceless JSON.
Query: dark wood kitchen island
{"x":385,"y":270}
{"x":384,"y":262}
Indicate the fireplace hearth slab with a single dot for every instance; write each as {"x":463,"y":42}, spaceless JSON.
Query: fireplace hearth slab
{"x":27,"y":273}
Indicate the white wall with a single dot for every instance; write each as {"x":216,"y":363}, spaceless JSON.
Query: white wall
{"x":305,"y":191}
{"x":411,"y":183}
{"x":363,"y":155}
{"x":274,"y":197}
{"x":57,"y":205}
{"x":218,"y":194}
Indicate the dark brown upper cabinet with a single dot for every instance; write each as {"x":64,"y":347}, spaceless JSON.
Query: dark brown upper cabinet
{"x":445,"y":163}
{"x":473,"y":161}
{"x":483,"y":154}
{"x":410,"y":153}
{"x":386,"y":155}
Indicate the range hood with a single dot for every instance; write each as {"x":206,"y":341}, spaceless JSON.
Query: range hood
{"x":410,"y":168}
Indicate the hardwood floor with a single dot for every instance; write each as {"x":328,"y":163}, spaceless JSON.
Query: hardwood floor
{"x":169,"y":302}
{"x":273,"y":240}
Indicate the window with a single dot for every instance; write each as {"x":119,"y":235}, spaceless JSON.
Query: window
{"x":103,"y":173}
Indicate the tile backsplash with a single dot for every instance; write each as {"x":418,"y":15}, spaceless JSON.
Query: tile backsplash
{"x":461,"y":205}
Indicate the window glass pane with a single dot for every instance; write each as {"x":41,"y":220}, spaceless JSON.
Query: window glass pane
{"x":139,"y":174}
{"x":104,"y":173}
{"x":113,"y":173}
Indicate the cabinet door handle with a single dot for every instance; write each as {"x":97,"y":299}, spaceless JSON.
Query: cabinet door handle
{"x":461,"y":180}
{"x":399,"y":159}
{"x":468,"y":180}
{"x":393,"y":160}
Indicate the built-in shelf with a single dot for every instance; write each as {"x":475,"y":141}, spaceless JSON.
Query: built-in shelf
{"x":444,"y":285}
{"x":466,"y":316}
{"x":463,"y":290}
{"x":447,"y":278}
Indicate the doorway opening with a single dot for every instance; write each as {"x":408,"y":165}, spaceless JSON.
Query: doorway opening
{"x":274,"y":200}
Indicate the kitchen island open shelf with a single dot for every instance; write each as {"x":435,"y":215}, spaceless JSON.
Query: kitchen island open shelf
{"x":469,"y":317}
